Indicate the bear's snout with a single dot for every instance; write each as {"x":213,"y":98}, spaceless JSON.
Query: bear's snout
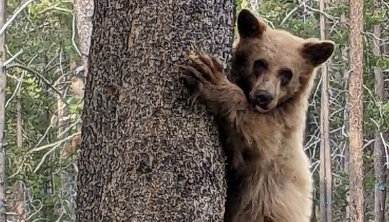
{"x":262,"y":98}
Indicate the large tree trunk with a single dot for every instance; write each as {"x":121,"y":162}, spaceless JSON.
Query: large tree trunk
{"x":144,"y":156}
{"x":356,"y":111}
{"x":379,"y":149}
{"x":3,"y":77}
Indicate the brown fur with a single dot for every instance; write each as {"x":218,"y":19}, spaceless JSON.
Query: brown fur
{"x":269,"y":177}
{"x":73,"y":146}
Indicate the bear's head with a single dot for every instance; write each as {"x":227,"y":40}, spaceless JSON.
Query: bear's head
{"x":272,"y":66}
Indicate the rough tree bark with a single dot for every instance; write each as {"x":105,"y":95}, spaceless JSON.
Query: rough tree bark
{"x":3,"y":79}
{"x":144,"y":156}
{"x":356,"y":111}
{"x":325,"y":149}
{"x":379,"y":149}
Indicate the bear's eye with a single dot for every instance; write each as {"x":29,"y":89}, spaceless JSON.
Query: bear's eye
{"x":286,"y":76}
{"x":259,"y":66}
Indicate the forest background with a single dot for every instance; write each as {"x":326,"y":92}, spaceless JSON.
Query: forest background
{"x":45,"y":64}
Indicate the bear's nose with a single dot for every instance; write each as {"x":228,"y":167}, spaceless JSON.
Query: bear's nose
{"x":263,"y":98}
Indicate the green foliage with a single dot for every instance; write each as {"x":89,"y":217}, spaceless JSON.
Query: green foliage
{"x":44,"y":32}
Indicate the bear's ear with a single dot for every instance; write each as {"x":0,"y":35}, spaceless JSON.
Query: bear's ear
{"x":249,"y":26}
{"x":317,"y":52}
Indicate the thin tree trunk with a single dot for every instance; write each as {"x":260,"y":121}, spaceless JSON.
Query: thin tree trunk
{"x":346,"y":217}
{"x":19,"y":133}
{"x":379,"y":149}
{"x":84,"y":12}
{"x":325,"y":149}
{"x":144,"y":156}
{"x":314,"y":207}
{"x":356,"y":111}
{"x":21,"y":189}
{"x":345,"y":58}
{"x":66,"y":173}
{"x":3,"y":84}
{"x":385,"y":72}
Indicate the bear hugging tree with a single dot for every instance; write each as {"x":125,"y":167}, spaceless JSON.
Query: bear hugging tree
{"x":261,"y":112}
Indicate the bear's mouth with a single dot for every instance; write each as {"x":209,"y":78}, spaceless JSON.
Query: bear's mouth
{"x":260,"y":109}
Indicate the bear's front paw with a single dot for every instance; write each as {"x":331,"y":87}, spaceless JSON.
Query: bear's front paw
{"x":207,"y":69}
{"x":192,"y":84}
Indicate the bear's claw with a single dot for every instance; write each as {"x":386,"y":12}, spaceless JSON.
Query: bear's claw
{"x":205,"y":68}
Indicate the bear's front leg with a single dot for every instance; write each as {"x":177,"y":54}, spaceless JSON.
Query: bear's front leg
{"x":223,"y":98}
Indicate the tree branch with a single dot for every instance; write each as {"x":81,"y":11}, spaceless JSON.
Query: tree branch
{"x":37,"y":74}
{"x":15,"y":15}
{"x":16,"y":90}
{"x":13,"y":58}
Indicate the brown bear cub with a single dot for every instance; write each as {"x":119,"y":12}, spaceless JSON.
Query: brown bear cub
{"x":262,"y":112}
